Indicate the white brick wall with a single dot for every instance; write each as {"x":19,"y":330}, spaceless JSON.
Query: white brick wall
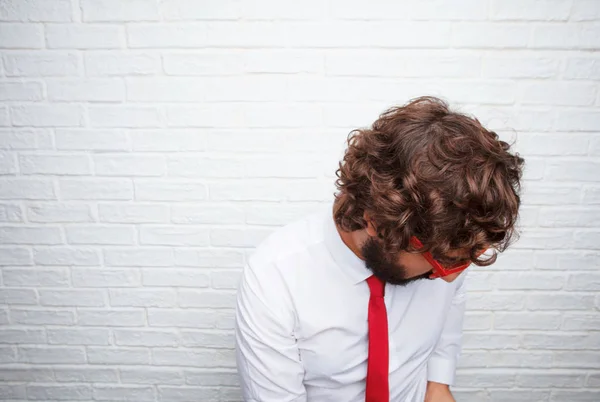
{"x":146,"y":146}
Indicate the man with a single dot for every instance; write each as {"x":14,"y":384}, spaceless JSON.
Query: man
{"x":364,"y":301}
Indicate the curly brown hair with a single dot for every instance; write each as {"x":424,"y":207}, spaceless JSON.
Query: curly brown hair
{"x":426,"y":171}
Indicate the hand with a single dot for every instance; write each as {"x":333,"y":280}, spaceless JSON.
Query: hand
{"x":437,"y":392}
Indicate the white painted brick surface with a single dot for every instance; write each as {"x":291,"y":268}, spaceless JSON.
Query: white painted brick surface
{"x":146,"y":147}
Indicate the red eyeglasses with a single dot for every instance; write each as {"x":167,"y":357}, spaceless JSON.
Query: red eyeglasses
{"x":440,"y":270}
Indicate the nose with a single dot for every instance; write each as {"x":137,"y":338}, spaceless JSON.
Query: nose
{"x":451,"y":277}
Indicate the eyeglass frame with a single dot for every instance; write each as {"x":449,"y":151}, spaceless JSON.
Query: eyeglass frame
{"x":440,"y":270}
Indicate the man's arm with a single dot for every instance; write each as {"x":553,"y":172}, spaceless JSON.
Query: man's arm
{"x":441,"y":368}
{"x":266,"y":351}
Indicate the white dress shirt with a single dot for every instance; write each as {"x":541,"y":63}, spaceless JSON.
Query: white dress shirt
{"x":301,"y":322}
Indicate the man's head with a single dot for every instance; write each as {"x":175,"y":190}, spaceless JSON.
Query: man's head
{"x":426,"y":190}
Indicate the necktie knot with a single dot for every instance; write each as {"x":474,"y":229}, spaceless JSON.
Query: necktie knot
{"x":376,"y":286}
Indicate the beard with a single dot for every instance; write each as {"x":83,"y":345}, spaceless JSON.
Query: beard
{"x":383,"y":268}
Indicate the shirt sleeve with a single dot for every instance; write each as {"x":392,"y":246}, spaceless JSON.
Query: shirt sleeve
{"x":441,"y":366}
{"x":266,"y":351}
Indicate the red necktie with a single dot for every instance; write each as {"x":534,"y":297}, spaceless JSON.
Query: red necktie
{"x":378,"y":389}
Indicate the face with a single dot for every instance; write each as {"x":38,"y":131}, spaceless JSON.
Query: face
{"x":401,"y":270}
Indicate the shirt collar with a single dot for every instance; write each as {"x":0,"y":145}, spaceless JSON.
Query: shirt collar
{"x":348,"y":262}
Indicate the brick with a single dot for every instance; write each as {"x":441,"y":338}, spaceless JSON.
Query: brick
{"x":11,"y":213}
{"x":583,"y":281}
{"x":459,"y":10}
{"x":586,"y":239}
{"x":209,"y":258}
{"x":205,"y":339}
{"x":22,"y":336}
{"x":572,"y":36}
{"x":577,"y":120}
{"x":42,"y":317}
{"x":77,"y":298}
{"x":178,"y":10}
{"x":166,"y":393}
{"x":4,"y":117}
{"x":24,"y":277}
{"x":12,"y":391}
{"x":113,"y":355}
{"x":177,"y":318}
{"x":173,"y":140}
{"x":195,"y":278}
{"x":222,"y":214}
{"x":591,"y":195}
{"x":552,"y":93}
{"x":566,"y":260}
{"x":133,"y":213}
{"x":123,"y":393}
{"x":193,"y":357}
{"x":525,"y":321}
{"x":115,"y":10}
{"x":496,"y":302}
{"x":519,"y":395}
{"x":545,"y":10}
{"x":116,"y":235}
{"x":203,"y":167}
{"x":484,"y":35}
{"x":573,"y":217}
{"x":21,"y":36}
{"x":207,"y":115}
{"x":502,"y":66}
{"x":551,"y":193}
{"x":561,"y":341}
{"x":100,"y":278}
{"x":119,"y":116}
{"x":167,"y":36}
{"x":139,"y":257}
{"x":8,"y":354}
{"x":96,"y":189}
{"x":97,"y":89}
{"x":491,"y":341}
{"x":85,"y":374}
{"x":15,"y":256}
{"x":581,"y":322}
{"x":582,"y":68}
{"x":8,"y":163}
{"x":41,"y":64}
{"x":214,"y":377}
{"x":46,"y":392}
{"x":126,"y":165}
{"x":272,"y":167}
{"x":51,"y":355}
{"x":87,"y":336}
{"x":494,"y":378}
{"x":84,"y":36}
{"x":151,"y":376}
{"x":277,"y":214}
{"x":207,"y":63}
{"x":32,"y":10}
{"x":64,"y":256}
{"x":268,"y":87}
{"x":171,"y":190}
{"x":574,"y":396}
{"x":225,"y":279}
{"x":585,"y":10}
{"x":540,"y":144}
{"x":173,"y":236}
{"x":206,"y":299}
{"x":111,"y":318}
{"x":55,"y":164}
{"x":91,"y":140}
{"x":238,"y":237}
{"x":30,"y":189}
{"x":546,"y":238}
{"x":25,"y":138}
{"x":59,"y":213}
{"x":121,"y":63}
{"x":552,"y":301}
{"x":126,"y":337}
{"x":547,"y":380}
{"x":18,"y":296}
{"x":55,"y":115}
{"x":28,"y":374}
{"x":519,"y":281}
{"x":21,"y":91}
{"x":142,"y":298}
{"x":167,"y":89}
